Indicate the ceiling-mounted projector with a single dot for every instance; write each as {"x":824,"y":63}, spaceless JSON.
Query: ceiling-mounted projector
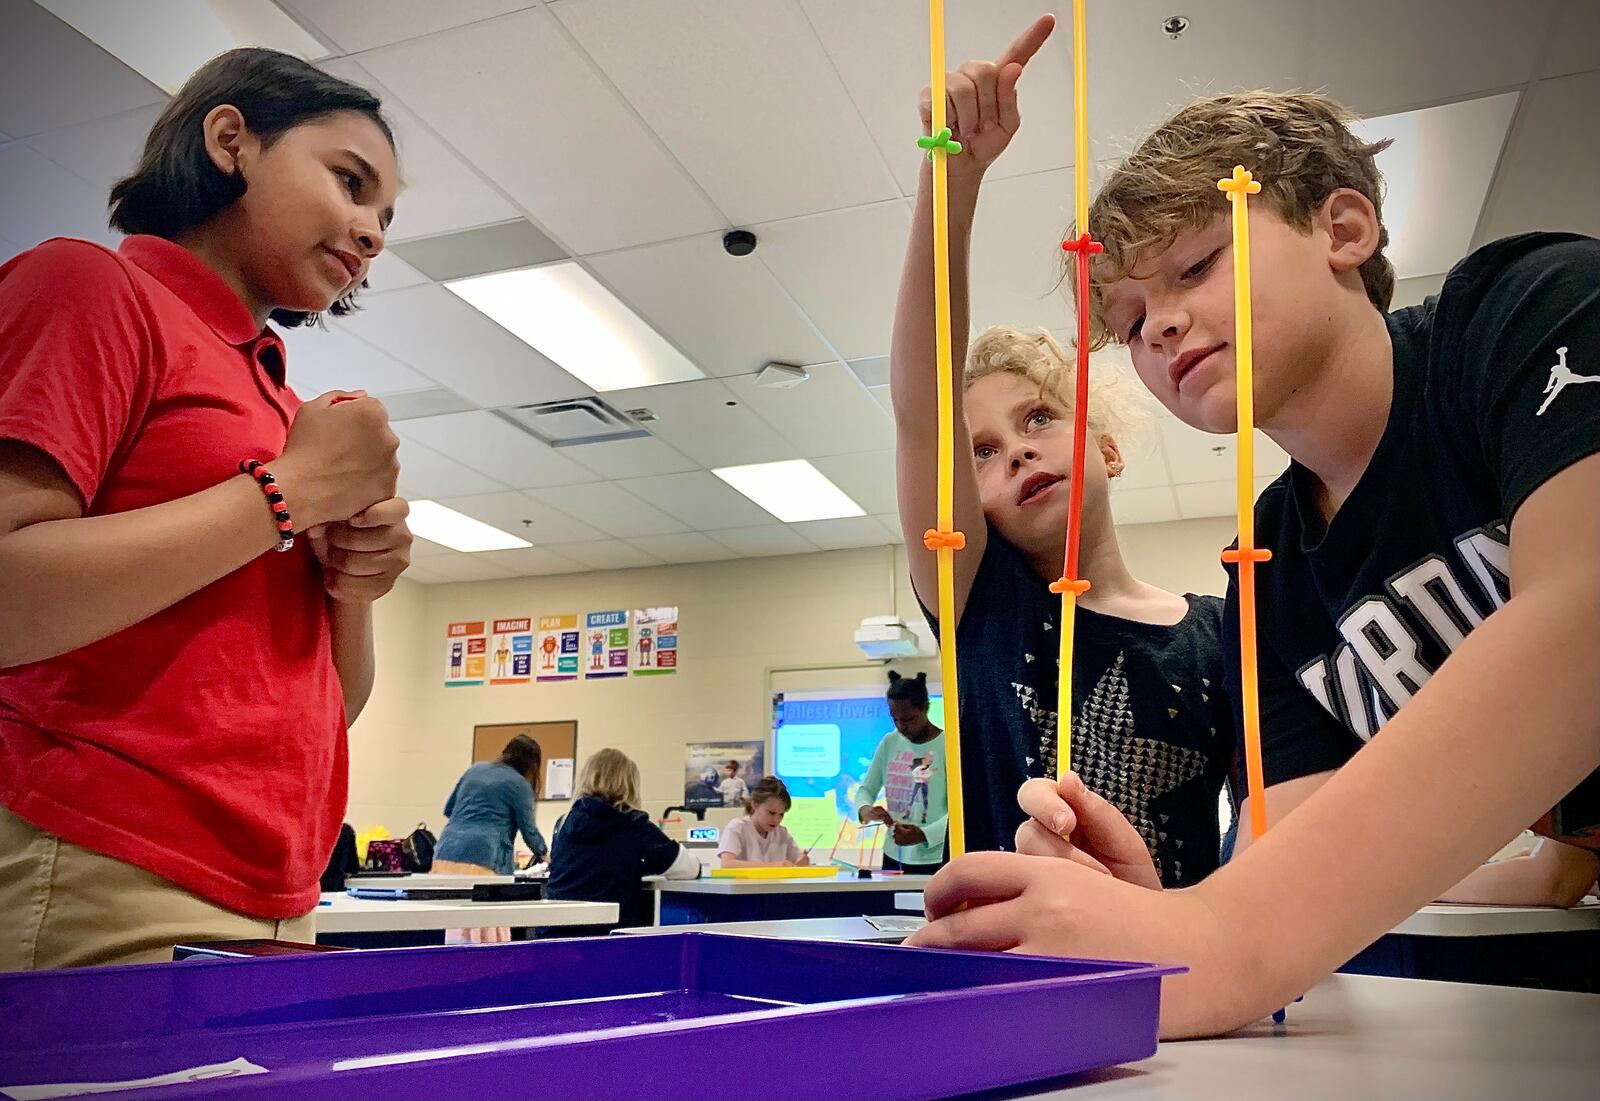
{"x":884,"y":637}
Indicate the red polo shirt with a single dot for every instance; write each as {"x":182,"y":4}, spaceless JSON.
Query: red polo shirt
{"x":207,"y":743}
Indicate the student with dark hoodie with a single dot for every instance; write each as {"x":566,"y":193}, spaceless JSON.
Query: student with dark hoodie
{"x":605,"y":845}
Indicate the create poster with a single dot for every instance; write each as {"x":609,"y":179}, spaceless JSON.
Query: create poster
{"x":465,"y":654}
{"x":606,"y":640}
{"x":721,"y":774}
{"x":556,"y":654}
{"x":655,"y":642}
{"x":511,"y":651}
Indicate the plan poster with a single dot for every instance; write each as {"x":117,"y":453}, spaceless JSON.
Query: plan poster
{"x":557,"y":650}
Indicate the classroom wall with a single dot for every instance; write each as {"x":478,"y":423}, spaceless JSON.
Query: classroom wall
{"x":748,"y":626}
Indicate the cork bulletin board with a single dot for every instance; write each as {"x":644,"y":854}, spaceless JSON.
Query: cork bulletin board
{"x":558,"y":740}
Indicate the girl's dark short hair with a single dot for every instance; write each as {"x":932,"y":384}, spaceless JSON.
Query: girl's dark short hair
{"x":913,"y":690}
{"x":176,"y":187}
{"x":523,"y":754}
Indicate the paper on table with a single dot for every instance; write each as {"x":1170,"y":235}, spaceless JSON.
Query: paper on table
{"x":45,"y":1090}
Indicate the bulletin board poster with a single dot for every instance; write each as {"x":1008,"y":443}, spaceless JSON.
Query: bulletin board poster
{"x":606,"y":645}
{"x":822,"y":746}
{"x":465,"y":654}
{"x":721,"y":774}
{"x":655,"y":642}
{"x":556,"y":653}
{"x":511,"y":651}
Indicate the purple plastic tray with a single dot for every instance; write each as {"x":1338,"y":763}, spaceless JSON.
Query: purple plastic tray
{"x":611,"y":1017}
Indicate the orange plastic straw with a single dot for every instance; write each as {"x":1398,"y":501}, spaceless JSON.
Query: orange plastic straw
{"x":1238,"y":187}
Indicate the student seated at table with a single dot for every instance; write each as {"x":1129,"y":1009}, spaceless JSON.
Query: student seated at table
{"x":605,"y":845}
{"x":757,"y":838}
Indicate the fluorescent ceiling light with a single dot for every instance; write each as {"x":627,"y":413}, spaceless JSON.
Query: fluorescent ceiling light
{"x":793,"y":491}
{"x":432,"y":521}
{"x":1437,"y":176}
{"x":564,"y":313}
{"x":167,"y":40}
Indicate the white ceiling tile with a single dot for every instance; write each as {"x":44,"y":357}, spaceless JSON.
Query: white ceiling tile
{"x":426,"y":474}
{"x":697,"y":419}
{"x":390,"y":273}
{"x":1425,"y":53}
{"x":40,"y":199}
{"x":422,"y":575}
{"x":51,"y":76}
{"x":635,"y":458}
{"x":689,"y":546}
{"x":881,"y":52}
{"x":726,"y":313}
{"x":1207,"y":499}
{"x":608,"y":554}
{"x":532,"y":561}
{"x":492,"y":446}
{"x":884,"y":398}
{"x":843,"y":269}
{"x":891,"y":524}
{"x":1144,"y":506}
{"x":867,"y":478}
{"x":610,"y":508}
{"x":457,"y":566}
{"x":554,"y":135}
{"x":700,"y":499}
{"x":1575,"y":45}
{"x":1196,"y":456}
{"x":830,"y":413}
{"x":1547,"y":175}
{"x":524,"y":517}
{"x":440,"y":191}
{"x":1263,"y":482}
{"x":321,"y":359}
{"x":1016,"y":252}
{"x":763,"y":541}
{"x":844,"y":533}
{"x":425,"y":548}
{"x":103,"y":151}
{"x":755,"y":64}
{"x":364,"y":24}
{"x":432,"y":330}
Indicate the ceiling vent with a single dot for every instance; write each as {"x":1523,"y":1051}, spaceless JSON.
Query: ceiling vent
{"x":574,"y":422}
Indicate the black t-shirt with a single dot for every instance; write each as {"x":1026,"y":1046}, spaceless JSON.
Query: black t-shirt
{"x":1152,"y":730}
{"x":1490,"y":400}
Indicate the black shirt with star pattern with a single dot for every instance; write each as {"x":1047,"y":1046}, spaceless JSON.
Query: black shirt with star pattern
{"x":1152,"y":728}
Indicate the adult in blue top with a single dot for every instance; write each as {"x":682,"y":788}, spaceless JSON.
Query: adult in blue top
{"x":492,"y":802}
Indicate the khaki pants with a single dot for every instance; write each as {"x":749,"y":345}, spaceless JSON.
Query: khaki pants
{"x":64,"y":906}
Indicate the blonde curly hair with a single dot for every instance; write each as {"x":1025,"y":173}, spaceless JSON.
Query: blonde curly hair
{"x":1298,"y":144}
{"x":1117,"y":408}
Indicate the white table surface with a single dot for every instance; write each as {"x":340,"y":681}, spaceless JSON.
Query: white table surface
{"x":344,"y":914}
{"x":424,"y":879}
{"x":828,"y":928}
{"x":846,"y":881}
{"x":1360,"y":1036}
{"x":1442,"y":919}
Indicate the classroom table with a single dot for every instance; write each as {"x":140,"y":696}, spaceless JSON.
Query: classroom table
{"x":1500,"y":945}
{"x":385,"y":923}
{"x":824,"y":928}
{"x":697,"y":901}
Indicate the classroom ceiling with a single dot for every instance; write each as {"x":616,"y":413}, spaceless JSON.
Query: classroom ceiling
{"x":631,"y":134}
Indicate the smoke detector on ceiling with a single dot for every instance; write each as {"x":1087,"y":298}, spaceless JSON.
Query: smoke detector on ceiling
{"x":781,"y":376}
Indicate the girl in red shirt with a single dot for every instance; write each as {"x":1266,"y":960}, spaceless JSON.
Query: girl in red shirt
{"x":174,"y":692}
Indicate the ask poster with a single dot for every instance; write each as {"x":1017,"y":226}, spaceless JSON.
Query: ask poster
{"x":557,"y":650}
{"x":655,"y":642}
{"x":465,"y":653}
{"x":511,"y":651}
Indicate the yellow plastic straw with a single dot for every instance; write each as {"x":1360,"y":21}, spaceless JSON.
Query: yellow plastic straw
{"x":1071,"y":586}
{"x":1238,"y":187}
{"x":945,"y":540}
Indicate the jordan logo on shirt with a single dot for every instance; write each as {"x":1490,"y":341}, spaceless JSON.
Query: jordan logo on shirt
{"x":1560,"y":379}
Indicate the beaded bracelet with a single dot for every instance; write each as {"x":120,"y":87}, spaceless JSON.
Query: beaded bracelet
{"x":280,"y":511}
